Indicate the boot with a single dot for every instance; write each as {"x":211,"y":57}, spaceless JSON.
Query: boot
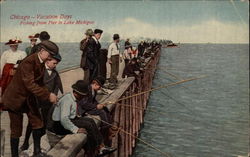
{"x":25,"y":145}
{"x":37,"y":134}
{"x":14,"y":142}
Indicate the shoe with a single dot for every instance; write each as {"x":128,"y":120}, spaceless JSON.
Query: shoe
{"x":102,"y":92}
{"x":24,"y":147}
{"x":106,"y":150}
{"x":108,"y":91}
{"x":112,"y":86}
{"x":41,"y":154}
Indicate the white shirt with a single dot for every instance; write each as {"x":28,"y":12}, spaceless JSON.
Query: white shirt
{"x":40,"y":59}
{"x":127,"y":53}
{"x":48,"y":69}
{"x":113,"y":50}
{"x":95,"y":39}
{"x":11,"y":57}
{"x":65,"y":110}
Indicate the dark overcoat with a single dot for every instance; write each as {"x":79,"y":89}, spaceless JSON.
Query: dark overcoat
{"x":93,"y":50}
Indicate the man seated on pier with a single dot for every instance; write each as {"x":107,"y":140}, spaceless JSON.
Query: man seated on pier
{"x":67,"y":120}
{"x":91,"y":106}
{"x":132,"y":69}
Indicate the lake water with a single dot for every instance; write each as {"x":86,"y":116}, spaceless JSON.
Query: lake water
{"x":202,"y":118}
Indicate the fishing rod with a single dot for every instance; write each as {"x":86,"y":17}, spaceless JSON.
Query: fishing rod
{"x":183,"y":86}
{"x":157,"y":88}
{"x":167,"y":68}
{"x":128,"y":133}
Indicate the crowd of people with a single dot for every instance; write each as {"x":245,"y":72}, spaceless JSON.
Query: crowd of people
{"x":30,"y":85}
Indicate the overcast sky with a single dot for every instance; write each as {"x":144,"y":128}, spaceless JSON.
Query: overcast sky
{"x":179,"y":21}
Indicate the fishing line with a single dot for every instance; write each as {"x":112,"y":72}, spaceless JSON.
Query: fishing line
{"x":128,"y":133}
{"x":157,"y":88}
{"x":237,"y":12}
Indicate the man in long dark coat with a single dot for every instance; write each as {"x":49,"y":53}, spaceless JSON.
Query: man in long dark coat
{"x":83,"y":47}
{"x":93,"y":50}
{"x":19,"y":97}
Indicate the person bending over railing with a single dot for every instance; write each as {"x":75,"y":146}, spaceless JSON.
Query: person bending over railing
{"x":66,"y":120}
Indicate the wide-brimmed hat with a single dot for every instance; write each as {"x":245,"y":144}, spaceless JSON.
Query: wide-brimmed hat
{"x":34,"y":36}
{"x":57,"y":57}
{"x":100,"y":80}
{"x":13,"y":42}
{"x":44,"y":36}
{"x":49,"y":46}
{"x":81,"y":87}
{"x":98,"y":31}
{"x":89,"y":32}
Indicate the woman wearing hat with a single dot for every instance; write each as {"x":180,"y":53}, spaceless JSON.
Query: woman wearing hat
{"x":9,"y":59}
{"x":33,"y":39}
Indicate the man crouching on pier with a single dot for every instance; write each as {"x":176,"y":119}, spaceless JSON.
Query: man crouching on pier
{"x":66,"y":120}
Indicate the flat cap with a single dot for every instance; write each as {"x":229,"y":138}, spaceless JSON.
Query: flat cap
{"x":50,"y":46}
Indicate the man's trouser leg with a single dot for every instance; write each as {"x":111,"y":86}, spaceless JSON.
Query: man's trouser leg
{"x":16,"y":126}
{"x":114,"y":68}
{"x":86,"y":75}
{"x":94,"y":135}
{"x":35,"y":119}
{"x":25,"y":145}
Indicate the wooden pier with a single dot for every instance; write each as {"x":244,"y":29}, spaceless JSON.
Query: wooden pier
{"x":127,"y":118}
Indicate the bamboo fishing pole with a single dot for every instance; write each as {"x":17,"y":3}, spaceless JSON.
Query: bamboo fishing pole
{"x":124,"y":131}
{"x":157,"y":88}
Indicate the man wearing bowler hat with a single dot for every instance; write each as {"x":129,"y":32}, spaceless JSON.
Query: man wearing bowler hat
{"x":93,"y":50}
{"x":20,"y":96}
